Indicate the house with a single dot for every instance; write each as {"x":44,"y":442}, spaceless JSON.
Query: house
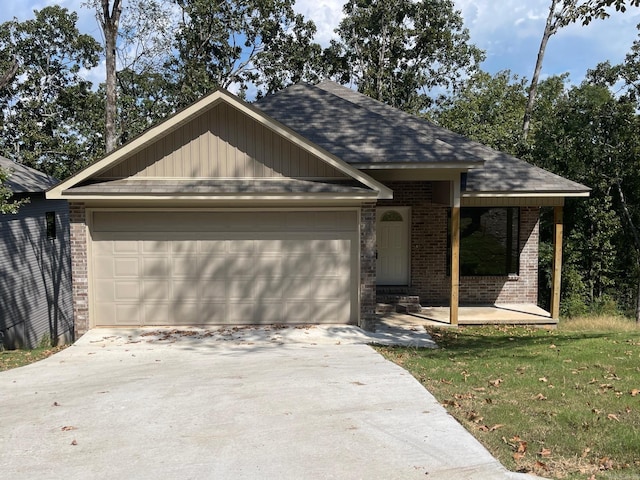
{"x":35,"y":284}
{"x":301,"y":208}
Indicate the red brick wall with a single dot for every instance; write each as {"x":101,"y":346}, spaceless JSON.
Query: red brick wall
{"x":429,"y":278}
{"x":79,"y":273}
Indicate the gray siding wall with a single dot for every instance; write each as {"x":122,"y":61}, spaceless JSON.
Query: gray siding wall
{"x":35,"y":276}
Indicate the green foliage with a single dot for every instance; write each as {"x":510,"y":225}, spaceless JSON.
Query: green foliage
{"x":7,"y":204}
{"x":46,"y":105}
{"x":248,"y":44}
{"x":487,"y":109}
{"x":397,"y":50}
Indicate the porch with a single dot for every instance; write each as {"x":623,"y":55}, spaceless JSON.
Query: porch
{"x":497,"y":314}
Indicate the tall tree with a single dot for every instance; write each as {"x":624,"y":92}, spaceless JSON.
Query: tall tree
{"x":241,"y":44}
{"x":397,"y":51}
{"x":46,"y":106}
{"x":562,"y":13}
{"x":487,"y":109}
{"x":109,"y":18}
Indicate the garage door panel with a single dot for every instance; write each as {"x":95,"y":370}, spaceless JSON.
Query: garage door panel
{"x":185,"y":266}
{"x":184,"y":289}
{"x":155,"y":266}
{"x":240,"y":266}
{"x":238,"y":289}
{"x":241,"y":312}
{"x":124,"y":267}
{"x":124,"y":246}
{"x":224,"y":268}
{"x":126,"y":290}
{"x":211,"y":289}
{"x":125,"y":314}
{"x":269,"y":289}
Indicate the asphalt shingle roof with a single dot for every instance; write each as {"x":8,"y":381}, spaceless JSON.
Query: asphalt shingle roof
{"x":367,"y":133}
{"x":24,"y":179}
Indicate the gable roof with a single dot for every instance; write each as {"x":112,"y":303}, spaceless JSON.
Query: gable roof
{"x":78,"y":185}
{"x":23,"y":179}
{"x":372,"y":135}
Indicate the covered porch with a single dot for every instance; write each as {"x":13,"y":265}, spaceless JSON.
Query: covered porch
{"x":497,"y":314}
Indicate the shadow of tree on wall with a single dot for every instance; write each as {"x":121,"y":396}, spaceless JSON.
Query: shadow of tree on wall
{"x":35,"y":285}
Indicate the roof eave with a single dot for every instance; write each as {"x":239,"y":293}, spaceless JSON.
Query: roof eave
{"x":463,"y":166}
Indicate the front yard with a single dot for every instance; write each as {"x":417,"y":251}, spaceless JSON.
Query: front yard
{"x":560,"y":404}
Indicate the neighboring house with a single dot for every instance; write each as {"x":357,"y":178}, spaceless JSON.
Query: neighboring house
{"x":35,"y":265}
{"x":300,"y":208}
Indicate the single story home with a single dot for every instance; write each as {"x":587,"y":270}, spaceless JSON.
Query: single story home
{"x":35,"y":261}
{"x":301,"y":208}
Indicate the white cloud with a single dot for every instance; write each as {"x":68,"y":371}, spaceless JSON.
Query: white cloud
{"x":326,"y":14}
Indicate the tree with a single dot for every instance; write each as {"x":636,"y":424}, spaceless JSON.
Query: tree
{"x":397,"y":51}
{"x":487,"y":109}
{"x":592,"y":138}
{"x":243,"y":45}
{"x":7,"y":205}
{"x":561,"y":14}
{"x":109,"y":19}
{"x":46,"y":106}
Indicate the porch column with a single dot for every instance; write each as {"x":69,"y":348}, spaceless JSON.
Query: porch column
{"x":455,"y":253}
{"x":557,"y":262}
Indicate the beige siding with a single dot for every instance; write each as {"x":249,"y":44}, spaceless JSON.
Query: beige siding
{"x":223,"y":143}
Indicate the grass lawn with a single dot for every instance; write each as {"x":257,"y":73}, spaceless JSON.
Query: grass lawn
{"x":18,"y":358}
{"x":559,"y":403}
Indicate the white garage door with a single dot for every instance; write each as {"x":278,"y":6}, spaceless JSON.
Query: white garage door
{"x":212,"y":268}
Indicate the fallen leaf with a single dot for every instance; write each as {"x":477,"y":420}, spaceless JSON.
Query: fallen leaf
{"x":540,"y":397}
{"x":543,"y":379}
{"x":515,"y":438}
{"x":479,"y":389}
{"x":545,"y":452}
{"x":552,"y":346}
{"x":496,"y":427}
{"x":613,"y":416}
{"x":67,"y":428}
{"x":585,"y":452}
{"x":518,"y":456}
{"x":606,"y":463}
{"x":541,"y":465}
{"x":522,"y":447}
{"x":74,"y":442}
{"x":635,"y":392}
{"x":496,"y":382}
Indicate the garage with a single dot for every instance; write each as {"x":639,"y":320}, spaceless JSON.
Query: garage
{"x":223,"y":267}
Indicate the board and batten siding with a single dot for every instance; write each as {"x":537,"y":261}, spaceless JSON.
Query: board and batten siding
{"x":223,"y":143}
{"x":35,"y":284}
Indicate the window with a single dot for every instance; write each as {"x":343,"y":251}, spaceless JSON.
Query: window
{"x":488,"y":241}
{"x":50,"y":219}
{"x":391,"y":216}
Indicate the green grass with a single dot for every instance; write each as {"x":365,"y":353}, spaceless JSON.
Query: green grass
{"x":559,"y":403}
{"x":18,"y":358}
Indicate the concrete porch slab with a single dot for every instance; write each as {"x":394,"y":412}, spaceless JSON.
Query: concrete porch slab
{"x":507,"y":314}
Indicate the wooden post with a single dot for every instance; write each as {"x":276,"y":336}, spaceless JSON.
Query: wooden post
{"x":557,"y":262}
{"x":455,"y":254}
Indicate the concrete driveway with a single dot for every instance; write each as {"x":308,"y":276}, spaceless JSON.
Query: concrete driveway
{"x":242,"y":403}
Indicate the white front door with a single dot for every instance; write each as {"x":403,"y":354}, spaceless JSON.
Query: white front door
{"x":392,"y":234}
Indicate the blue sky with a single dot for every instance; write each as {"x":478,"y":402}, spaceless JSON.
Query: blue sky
{"x":508,"y":30}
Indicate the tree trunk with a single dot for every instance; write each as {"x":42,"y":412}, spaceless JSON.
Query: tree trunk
{"x":110,"y":20}
{"x":7,"y":77}
{"x":549,"y":29}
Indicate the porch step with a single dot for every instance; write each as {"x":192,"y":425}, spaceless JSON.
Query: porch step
{"x":384,"y":308}
{"x":408,"y":308}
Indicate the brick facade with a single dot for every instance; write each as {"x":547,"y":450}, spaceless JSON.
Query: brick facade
{"x":429,"y":243}
{"x":79,"y":272}
{"x":367,"y":266}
